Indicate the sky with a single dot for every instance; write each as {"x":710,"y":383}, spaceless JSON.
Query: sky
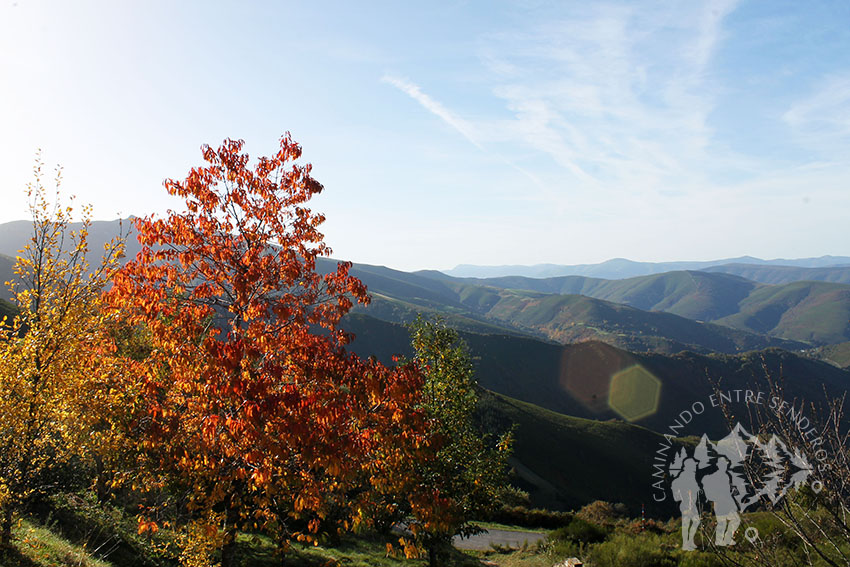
{"x":444,"y":133}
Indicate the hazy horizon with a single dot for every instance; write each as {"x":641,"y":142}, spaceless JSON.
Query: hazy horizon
{"x":510,"y":265}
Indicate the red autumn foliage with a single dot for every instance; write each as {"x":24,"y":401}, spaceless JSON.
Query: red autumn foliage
{"x":251,"y":401}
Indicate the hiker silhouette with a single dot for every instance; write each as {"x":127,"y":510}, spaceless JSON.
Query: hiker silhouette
{"x":717,"y":487}
{"x":686,"y":491}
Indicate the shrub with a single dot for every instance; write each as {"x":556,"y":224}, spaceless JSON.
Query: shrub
{"x":647,"y":550}
{"x":602,"y":513}
{"x":530,"y":517}
{"x":579,"y":531}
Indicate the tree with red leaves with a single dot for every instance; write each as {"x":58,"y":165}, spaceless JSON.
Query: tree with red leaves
{"x":251,"y":402}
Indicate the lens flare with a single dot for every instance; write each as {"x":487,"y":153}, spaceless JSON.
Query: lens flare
{"x":634,"y":393}
{"x":586,"y":370}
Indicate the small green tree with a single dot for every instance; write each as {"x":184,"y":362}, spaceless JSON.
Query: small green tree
{"x":465,"y":470}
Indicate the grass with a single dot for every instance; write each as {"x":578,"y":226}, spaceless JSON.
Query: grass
{"x":837,"y":355}
{"x":508,"y":528}
{"x":517,"y":559}
{"x":815,"y":312}
{"x":77,"y":532}
{"x":354,"y":551}
{"x":39,"y":546}
{"x":624,"y":542}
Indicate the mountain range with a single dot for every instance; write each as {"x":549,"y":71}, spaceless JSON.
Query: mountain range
{"x":622,"y":268}
{"x":803,"y":311}
{"x":547,"y":350}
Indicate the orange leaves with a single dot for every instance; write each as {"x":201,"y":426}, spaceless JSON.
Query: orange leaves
{"x":261,"y":477}
{"x":250,"y":406}
{"x":146,"y":526}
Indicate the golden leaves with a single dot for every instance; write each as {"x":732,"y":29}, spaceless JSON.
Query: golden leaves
{"x":58,"y":367}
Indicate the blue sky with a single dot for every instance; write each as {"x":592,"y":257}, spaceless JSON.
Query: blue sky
{"x":457,"y":132}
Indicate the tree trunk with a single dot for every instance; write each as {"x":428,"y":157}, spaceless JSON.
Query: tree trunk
{"x":6,"y":529}
{"x":432,"y":555}
{"x":228,"y":548}
{"x":101,"y":486}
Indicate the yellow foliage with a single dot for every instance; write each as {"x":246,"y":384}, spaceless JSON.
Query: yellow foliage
{"x":199,"y":542}
{"x":53,"y":355}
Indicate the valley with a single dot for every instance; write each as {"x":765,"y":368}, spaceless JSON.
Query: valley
{"x":545,"y":351}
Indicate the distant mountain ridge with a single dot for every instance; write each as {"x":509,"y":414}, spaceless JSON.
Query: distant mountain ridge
{"x":703,"y":311}
{"x":815,"y":312}
{"x":562,"y":318}
{"x":784,"y":274}
{"x":619,"y":268}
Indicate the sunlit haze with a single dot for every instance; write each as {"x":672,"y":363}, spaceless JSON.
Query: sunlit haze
{"x":457,"y":132}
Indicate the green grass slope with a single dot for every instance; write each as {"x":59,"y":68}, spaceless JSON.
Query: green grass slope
{"x":573,"y":318}
{"x":807,"y":311}
{"x":565,"y":462}
{"x":837,"y":354}
{"x":568,"y":318}
{"x":7,"y":310}
{"x":785,"y":274}
{"x":815,"y":312}
{"x":7,"y":273}
{"x":571,"y":447}
{"x":74,"y":531}
{"x":692,"y":294}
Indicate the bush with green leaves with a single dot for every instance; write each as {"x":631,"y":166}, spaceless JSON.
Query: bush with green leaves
{"x":622,"y":550}
{"x":579,"y":531}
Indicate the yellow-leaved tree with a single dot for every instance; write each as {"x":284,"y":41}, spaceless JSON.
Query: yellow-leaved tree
{"x":51,"y":376}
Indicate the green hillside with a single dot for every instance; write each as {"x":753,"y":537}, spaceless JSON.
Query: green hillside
{"x":576,"y":379}
{"x":815,"y":312}
{"x":692,"y":294}
{"x":565,"y":462}
{"x":7,"y":309}
{"x":558,"y":395}
{"x":837,"y":354}
{"x":811,"y":312}
{"x":573,"y":318}
{"x":565,"y":318}
{"x":7,"y":267}
{"x":785,"y":274}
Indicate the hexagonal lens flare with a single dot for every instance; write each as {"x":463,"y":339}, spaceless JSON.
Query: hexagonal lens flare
{"x":634,"y":393}
{"x":586,"y":370}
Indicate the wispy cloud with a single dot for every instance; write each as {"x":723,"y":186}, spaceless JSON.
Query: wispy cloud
{"x":825,"y":113}
{"x":710,"y":30}
{"x":413,"y":91}
{"x":465,"y":128}
{"x":629,"y":119}
{"x":616,"y":97}
{"x":619,"y":96}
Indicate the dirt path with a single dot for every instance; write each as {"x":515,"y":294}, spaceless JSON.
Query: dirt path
{"x":505,"y":538}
